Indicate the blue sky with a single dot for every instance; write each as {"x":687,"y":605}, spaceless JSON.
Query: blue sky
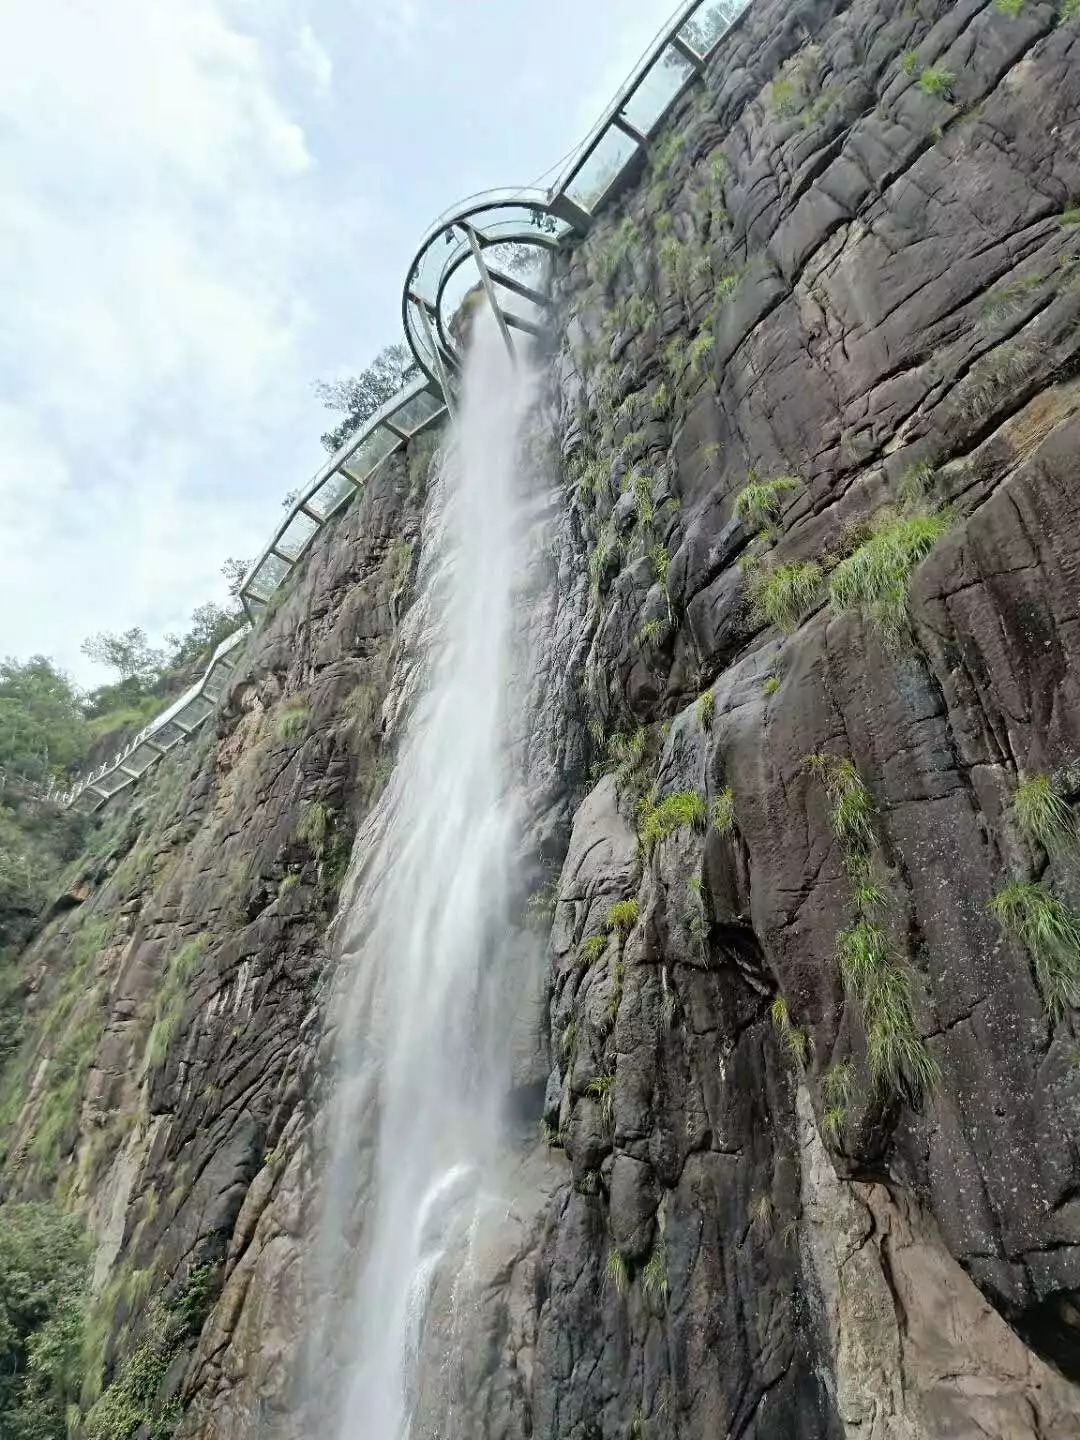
{"x":208,"y":204}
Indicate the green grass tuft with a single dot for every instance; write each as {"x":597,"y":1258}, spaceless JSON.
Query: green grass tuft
{"x":772,"y":684}
{"x":1069,"y":218}
{"x":293,"y":721}
{"x":683,"y":810}
{"x":623,"y":916}
{"x":874,"y":580}
{"x":793,"y":1039}
{"x":783,"y":596}
{"x":1069,"y":11}
{"x":1044,"y":815}
{"x":706,"y":709}
{"x":654,"y":1281}
{"x":937,"y":82}
{"x":1012,"y":8}
{"x":1050,"y":931}
{"x":617,"y":1272}
{"x":853,"y":805}
{"x":760,"y":502}
{"x":592,"y":950}
{"x":603,"y":1090}
{"x":723,"y":812}
{"x":899,"y":1061}
{"x":909,"y":62}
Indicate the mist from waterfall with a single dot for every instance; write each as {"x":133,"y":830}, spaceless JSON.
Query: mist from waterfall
{"x":422,"y":1039}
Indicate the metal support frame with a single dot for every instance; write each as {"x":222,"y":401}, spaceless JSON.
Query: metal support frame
{"x":509,"y":283}
{"x":688,"y":53}
{"x":429,"y":336}
{"x":489,"y":288}
{"x":620,"y":122}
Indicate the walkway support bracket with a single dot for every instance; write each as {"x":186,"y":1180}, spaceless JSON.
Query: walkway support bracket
{"x":489,"y":288}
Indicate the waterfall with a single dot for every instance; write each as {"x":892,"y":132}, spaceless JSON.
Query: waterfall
{"x":422,"y":1038}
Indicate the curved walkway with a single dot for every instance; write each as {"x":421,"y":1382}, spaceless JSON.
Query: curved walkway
{"x":496,"y":240}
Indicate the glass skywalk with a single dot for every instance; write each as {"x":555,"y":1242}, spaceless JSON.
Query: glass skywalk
{"x":496,"y":244}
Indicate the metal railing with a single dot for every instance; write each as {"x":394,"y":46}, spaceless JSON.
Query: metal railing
{"x":496,"y":240}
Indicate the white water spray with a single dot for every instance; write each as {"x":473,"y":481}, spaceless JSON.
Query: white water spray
{"x":423,"y":1042}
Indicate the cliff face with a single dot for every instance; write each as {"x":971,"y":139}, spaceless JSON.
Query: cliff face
{"x":810,"y":1161}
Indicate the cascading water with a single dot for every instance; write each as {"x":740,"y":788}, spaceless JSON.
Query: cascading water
{"x":422,"y":1039}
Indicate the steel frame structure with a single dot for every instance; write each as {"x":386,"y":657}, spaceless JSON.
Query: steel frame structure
{"x":483,"y":242}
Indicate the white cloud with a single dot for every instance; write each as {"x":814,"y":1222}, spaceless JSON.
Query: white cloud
{"x":313,"y":60}
{"x":153,"y":234}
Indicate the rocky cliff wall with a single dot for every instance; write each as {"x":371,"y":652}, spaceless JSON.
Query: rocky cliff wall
{"x":807,"y":1161}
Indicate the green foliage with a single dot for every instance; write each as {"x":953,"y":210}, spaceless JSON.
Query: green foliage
{"x":652,"y":634}
{"x":794,"y":1040}
{"x":629,"y":756}
{"x":1044,"y":815}
{"x":1004,"y":300}
{"x":292,"y":721}
{"x":706,"y":709}
{"x":1050,"y":931}
{"x":852,"y":803}
{"x":832,"y":1125}
{"x":44,"y":1257}
{"x":618,"y":1273}
{"x":1070,"y":9}
{"x":726,"y":287}
{"x":683,"y":810}
{"x":759,"y":503}
{"x":661,"y":560}
{"x":909,"y":62}
{"x":772,"y":684}
{"x":600,"y":561}
{"x":654,"y":1280}
{"x":592,"y":950}
{"x":603,"y":1090}
{"x":839,"y":1082}
{"x":661,"y":401}
{"x":1009,"y":7}
{"x":874,"y":580}
{"x":314,"y":826}
{"x":43,"y":730}
{"x":128,"y":1406}
{"x":1071,"y":217}
{"x":723,"y":812}
{"x":937,"y":82}
{"x":359,"y":396}
{"x":623,"y":916}
{"x":701,"y":347}
{"x":172,"y":997}
{"x":643,"y":498}
{"x":784,"y":98}
{"x":872,"y":974}
{"x":783,"y":595}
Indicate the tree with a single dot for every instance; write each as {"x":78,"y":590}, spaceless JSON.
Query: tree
{"x":210,"y":625}
{"x":43,"y":730}
{"x":234,"y":571}
{"x":44,"y":1256}
{"x":129,"y":652}
{"x":359,"y":396}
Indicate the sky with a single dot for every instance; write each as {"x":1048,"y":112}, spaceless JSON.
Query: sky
{"x":208,"y":205}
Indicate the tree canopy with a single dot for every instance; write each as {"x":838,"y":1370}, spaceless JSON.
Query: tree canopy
{"x":44,"y":1256}
{"x":359,"y":396}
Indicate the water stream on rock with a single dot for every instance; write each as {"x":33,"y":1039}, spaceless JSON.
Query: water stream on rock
{"x":422,"y":1042}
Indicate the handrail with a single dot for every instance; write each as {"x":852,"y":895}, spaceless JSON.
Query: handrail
{"x":510,"y":216}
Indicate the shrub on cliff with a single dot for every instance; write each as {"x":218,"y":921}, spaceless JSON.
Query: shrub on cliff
{"x":43,"y":1267}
